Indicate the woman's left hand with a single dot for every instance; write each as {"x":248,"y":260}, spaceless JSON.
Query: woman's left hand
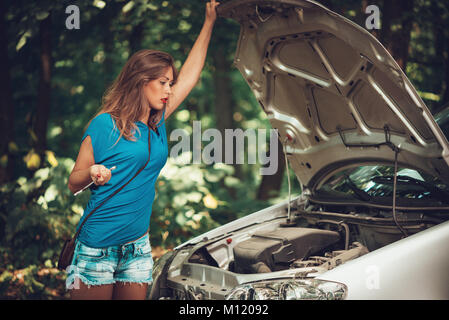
{"x":211,"y":13}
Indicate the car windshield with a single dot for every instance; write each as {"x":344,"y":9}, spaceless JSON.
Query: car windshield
{"x":442,"y":118}
{"x":376,"y":181}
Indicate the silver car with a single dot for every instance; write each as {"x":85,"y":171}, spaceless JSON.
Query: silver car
{"x":371,"y":221}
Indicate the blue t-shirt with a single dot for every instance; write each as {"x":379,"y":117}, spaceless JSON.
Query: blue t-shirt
{"x":126,"y":216}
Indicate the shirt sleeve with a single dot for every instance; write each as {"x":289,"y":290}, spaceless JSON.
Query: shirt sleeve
{"x":99,"y":131}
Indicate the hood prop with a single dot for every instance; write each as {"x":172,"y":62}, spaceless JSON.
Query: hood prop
{"x":396,"y":151}
{"x":394,"y":192}
{"x":290,"y":221}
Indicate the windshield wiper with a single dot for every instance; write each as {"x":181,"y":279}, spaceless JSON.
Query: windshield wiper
{"x":361,"y":194}
{"x":437,"y":192}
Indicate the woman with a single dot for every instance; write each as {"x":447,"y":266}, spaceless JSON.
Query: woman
{"x":112,"y":259}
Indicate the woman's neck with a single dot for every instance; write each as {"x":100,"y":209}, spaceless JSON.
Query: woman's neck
{"x":144,"y":118}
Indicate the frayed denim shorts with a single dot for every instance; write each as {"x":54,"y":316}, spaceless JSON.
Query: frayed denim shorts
{"x":129,"y":263}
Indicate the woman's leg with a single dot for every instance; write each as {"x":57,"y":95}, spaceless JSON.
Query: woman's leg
{"x":94,"y":292}
{"x":129,"y":291}
{"x":134,"y":272}
{"x":95,"y":266}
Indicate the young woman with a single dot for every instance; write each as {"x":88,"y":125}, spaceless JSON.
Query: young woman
{"x":112,"y":258}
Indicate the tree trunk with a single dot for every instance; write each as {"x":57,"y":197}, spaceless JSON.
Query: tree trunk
{"x":397,"y":14}
{"x":330,"y":4}
{"x":224,"y":106}
{"x":6,"y":105}
{"x":223,"y":97}
{"x":445,"y":94}
{"x":440,"y":30}
{"x":108,"y":17}
{"x":271,"y":184}
{"x":136,"y":38}
{"x":44,"y":93}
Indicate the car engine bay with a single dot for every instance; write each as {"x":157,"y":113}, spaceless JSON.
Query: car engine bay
{"x":321,"y":238}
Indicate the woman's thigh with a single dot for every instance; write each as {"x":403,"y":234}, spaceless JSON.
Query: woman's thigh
{"x":91,"y":274}
{"x":97,"y":292}
{"x":136,"y":264}
{"x":129,"y":291}
{"x":119,"y":272}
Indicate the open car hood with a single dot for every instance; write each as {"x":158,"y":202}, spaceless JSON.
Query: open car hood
{"x":333,"y":92}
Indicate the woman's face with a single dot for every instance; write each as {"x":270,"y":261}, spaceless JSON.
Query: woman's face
{"x":157,"y":91}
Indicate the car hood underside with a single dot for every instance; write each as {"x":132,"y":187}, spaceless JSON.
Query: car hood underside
{"x":333,"y":92}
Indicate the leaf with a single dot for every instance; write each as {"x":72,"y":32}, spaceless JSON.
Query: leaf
{"x":194,"y":197}
{"x":179,"y":200}
{"x":184,"y":26}
{"x":128,"y":7}
{"x":210,"y":202}
{"x":41,"y":15}
{"x":23,"y":40}
{"x":214,"y":175}
{"x":13,"y":148}
{"x":180,"y":219}
{"x":33,"y":135}
{"x":225,"y":167}
{"x":4,"y":160}
{"x":51,"y":158}
{"x":99,"y":4}
{"x":32,"y":160}
{"x":231,"y":182}
{"x":51,"y":193}
{"x":48,"y":263}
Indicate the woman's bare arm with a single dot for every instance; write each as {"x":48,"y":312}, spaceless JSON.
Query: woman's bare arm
{"x":191,"y":70}
{"x":85,"y":169}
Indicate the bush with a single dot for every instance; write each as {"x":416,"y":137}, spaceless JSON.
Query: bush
{"x":192,"y":199}
{"x":37,"y":213}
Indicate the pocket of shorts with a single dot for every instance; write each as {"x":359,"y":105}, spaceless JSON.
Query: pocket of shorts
{"x":91,"y":253}
{"x":144,"y":248}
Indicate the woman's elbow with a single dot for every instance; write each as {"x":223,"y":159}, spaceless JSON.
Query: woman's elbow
{"x":71,"y":187}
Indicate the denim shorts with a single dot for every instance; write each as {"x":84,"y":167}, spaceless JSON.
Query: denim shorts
{"x":130,"y":263}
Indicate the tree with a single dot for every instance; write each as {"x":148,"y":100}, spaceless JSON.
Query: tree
{"x":270,"y":185}
{"x":397,"y":22}
{"x":440,"y":12}
{"x":44,"y":92}
{"x":6,"y":105}
{"x":108,"y":17}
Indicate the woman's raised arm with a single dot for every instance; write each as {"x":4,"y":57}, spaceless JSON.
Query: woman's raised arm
{"x":191,"y":70}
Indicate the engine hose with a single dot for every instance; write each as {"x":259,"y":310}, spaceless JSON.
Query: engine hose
{"x":344,"y":225}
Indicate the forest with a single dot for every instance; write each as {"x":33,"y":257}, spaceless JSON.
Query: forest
{"x":55,"y":72}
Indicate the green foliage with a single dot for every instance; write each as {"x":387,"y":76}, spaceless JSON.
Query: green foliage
{"x":192,"y":199}
{"x":37,"y":210}
{"x":36,"y":214}
{"x":32,"y":282}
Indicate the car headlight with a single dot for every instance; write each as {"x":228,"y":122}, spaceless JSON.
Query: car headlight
{"x":160,"y":263}
{"x":289,"y":289}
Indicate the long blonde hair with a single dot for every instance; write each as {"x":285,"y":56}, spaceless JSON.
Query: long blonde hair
{"x":125,"y":101}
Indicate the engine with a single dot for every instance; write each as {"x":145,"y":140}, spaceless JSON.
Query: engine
{"x":277,"y":250}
